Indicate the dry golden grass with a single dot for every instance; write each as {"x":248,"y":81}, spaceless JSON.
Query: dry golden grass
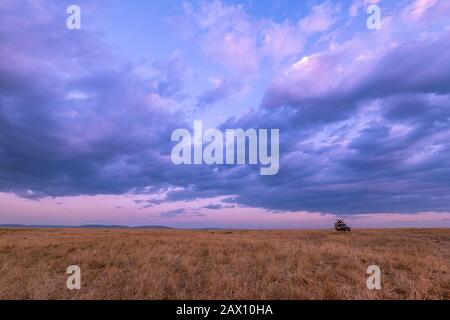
{"x":177,"y":264}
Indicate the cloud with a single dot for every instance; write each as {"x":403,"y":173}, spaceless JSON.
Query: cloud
{"x":165,"y":78}
{"x":227,"y":35}
{"x":357,"y":5}
{"x":222,"y":90}
{"x":418,"y":8}
{"x":322,"y":18}
{"x":427,"y":12}
{"x":232,"y":38}
{"x":281,"y":41}
{"x":356,"y":71}
{"x":364,"y":122}
{"x":181,"y":212}
{"x":217,"y":206}
{"x":106,"y":138}
{"x":363,"y":128}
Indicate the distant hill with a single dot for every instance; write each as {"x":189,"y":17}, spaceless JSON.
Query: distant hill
{"x":101,"y":226}
{"x":87,"y":226}
{"x":152,"y":227}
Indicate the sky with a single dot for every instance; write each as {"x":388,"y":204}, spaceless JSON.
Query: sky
{"x":86,"y":115}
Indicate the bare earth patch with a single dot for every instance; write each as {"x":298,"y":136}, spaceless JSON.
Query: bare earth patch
{"x":181,"y":264}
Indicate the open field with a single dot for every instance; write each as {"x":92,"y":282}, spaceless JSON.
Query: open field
{"x":218,"y":264}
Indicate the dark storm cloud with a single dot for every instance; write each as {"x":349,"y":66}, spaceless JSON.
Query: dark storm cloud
{"x":75,"y":120}
{"x":319,"y":92}
{"x":378,"y":144}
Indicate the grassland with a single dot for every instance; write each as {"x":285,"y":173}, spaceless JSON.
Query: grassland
{"x":180,"y":264}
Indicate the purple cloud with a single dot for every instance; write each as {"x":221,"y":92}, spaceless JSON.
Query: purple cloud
{"x":364,"y":122}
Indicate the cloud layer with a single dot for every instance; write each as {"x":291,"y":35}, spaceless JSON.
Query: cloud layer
{"x":364,"y":119}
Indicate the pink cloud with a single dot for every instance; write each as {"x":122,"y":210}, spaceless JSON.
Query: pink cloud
{"x":360,"y":4}
{"x":427,"y":11}
{"x":283,"y":40}
{"x":236,"y":51}
{"x":416,"y":10}
{"x":227,"y":35}
{"x":322,"y":17}
{"x":230,"y":37}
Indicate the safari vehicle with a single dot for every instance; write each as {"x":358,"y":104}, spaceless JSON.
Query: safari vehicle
{"x":340,"y":225}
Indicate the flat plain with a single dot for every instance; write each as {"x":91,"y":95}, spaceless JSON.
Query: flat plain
{"x":224,"y":264}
